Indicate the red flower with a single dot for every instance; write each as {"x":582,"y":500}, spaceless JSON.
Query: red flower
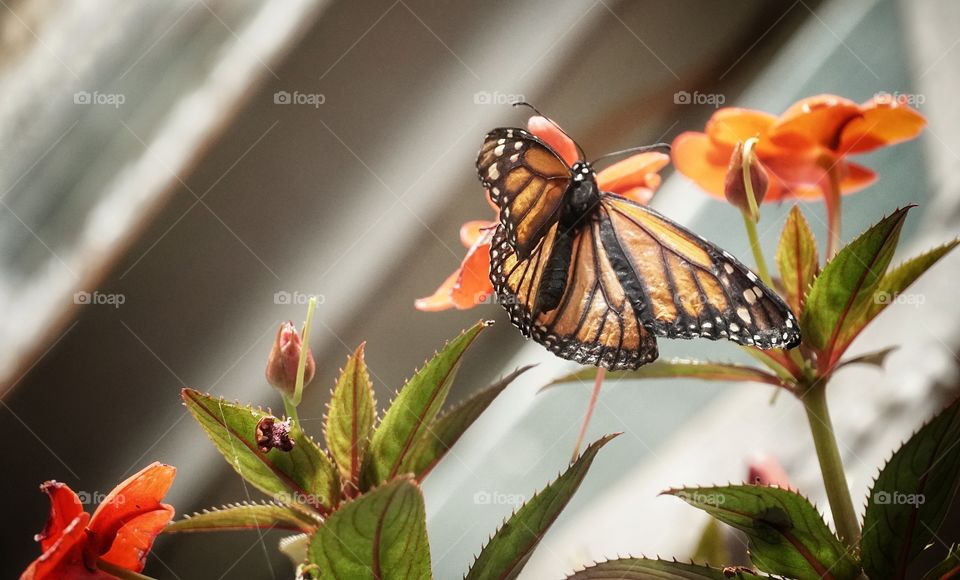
{"x":284,"y":360}
{"x":119,"y":534}
{"x":801,"y":147}
{"x":635,"y":177}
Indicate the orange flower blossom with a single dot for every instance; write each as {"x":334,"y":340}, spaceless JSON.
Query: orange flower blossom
{"x":635,"y":177}
{"x":120,"y":533}
{"x":800,"y":147}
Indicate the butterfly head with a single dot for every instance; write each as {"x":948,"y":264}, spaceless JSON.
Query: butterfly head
{"x":582,"y":171}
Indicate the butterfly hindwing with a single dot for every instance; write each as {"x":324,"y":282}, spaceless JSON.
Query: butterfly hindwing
{"x":683,"y":286}
{"x":527,"y":180}
{"x":594,"y":321}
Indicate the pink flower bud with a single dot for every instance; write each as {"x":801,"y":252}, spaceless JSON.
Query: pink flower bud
{"x":734,"y":187}
{"x":285,"y":357}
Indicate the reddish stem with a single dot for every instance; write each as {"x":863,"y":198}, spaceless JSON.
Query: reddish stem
{"x":601,"y":373}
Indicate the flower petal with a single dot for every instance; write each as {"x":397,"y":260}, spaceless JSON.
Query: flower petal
{"x":641,"y":195}
{"x":65,"y":506}
{"x":636,"y":171}
{"x":554,"y":137}
{"x":442,"y":298}
{"x":855,"y":178}
{"x":134,"y":540}
{"x":472,"y":231}
{"x":469,"y":285}
{"x":697,"y":157}
{"x":63,"y":559}
{"x":883,"y":121}
{"x":732,"y":125}
{"x":141,"y":493}
{"x":814,"y":121}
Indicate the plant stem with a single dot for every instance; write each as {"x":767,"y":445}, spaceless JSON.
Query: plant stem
{"x":762,"y":270}
{"x":291,"y":410}
{"x":831,"y":465}
{"x":302,"y":364}
{"x":832,"y":197}
{"x":601,"y":373}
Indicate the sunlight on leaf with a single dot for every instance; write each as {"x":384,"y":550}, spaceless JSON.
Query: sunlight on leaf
{"x":649,"y":569}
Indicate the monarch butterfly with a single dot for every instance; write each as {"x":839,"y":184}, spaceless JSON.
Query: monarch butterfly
{"x":596,"y":277}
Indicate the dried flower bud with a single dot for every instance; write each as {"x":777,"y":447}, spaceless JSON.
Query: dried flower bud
{"x":734,"y":187}
{"x":284,"y":359}
{"x":274,"y":434}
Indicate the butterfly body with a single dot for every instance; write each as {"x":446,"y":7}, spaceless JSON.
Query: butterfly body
{"x":595,"y":277}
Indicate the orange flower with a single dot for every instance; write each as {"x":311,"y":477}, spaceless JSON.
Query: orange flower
{"x":801,"y":147}
{"x":119,"y":534}
{"x":635,"y":178}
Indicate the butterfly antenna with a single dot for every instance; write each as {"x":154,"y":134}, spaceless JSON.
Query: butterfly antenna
{"x":642,"y":149}
{"x":552,"y":122}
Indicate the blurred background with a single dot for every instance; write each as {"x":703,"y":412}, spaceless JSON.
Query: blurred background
{"x":173,"y":170}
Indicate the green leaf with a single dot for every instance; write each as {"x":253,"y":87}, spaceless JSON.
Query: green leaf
{"x":245,"y":516}
{"x":911,"y":496}
{"x":508,"y":550}
{"x":303,"y":478}
{"x":948,"y":568}
{"x":786,"y":534}
{"x":875,"y":358}
{"x":889,"y":289}
{"x":677,"y":369}
{"x":652,"y":569}
{"x":414,"y":409}
{"x":382,"y":534}
{"x":447,"y":429}
{"x":797,"y":258}
{"x":848,"y":280}
{"x":350,"y":417}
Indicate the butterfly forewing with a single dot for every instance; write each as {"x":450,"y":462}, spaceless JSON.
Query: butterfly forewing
{"x":526,"y":180}
{"x":683,"y":286}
